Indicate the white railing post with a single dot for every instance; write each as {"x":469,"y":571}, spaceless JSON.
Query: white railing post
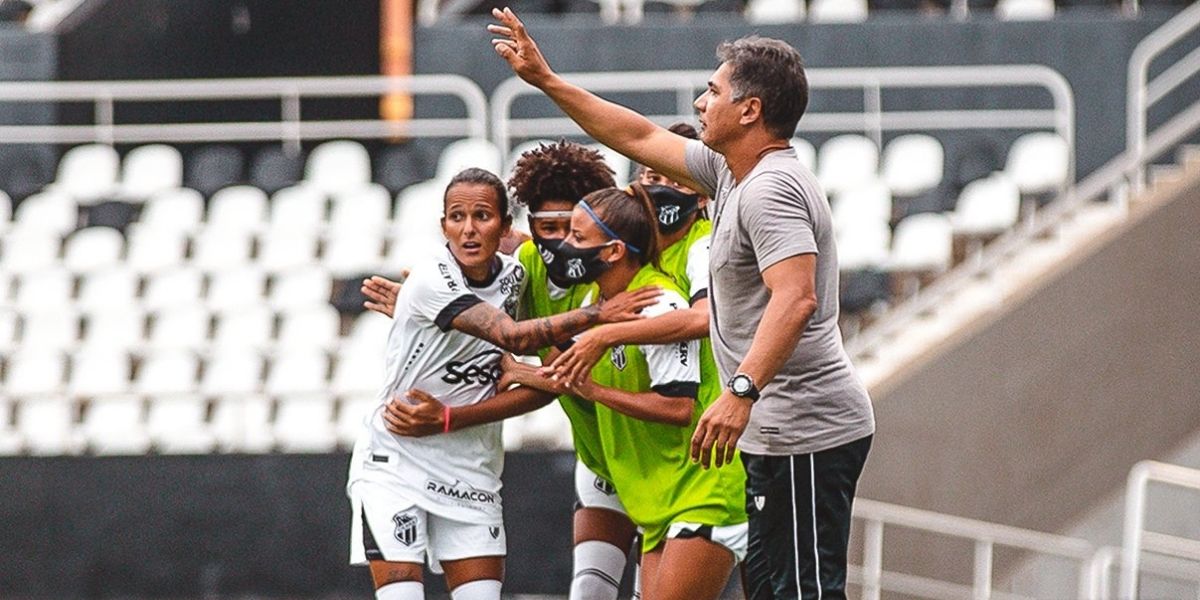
{"x":983,"y":570}
{"x":290,"y":120}
{"x":872,"y":559}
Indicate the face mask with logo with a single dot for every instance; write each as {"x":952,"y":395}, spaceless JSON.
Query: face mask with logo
{"x":547,"y":248}
{"x":674,"y":207}
{"x":573,"y":265}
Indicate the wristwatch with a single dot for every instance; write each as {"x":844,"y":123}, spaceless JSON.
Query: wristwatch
{"x":742,"y":386}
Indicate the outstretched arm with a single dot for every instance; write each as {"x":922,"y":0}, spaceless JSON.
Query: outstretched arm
{"x":487,"y":322}
{"x":428,"y":416}
{"x":613,"y":125}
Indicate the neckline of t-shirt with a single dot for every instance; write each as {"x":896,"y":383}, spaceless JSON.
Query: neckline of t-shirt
{"x":498,"y":267}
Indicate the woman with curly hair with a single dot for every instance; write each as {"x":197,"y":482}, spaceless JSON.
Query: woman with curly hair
{"x":549,"y":180}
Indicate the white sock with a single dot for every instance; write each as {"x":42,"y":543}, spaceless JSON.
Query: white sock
{"x":401,"y":590}
{"x":598,"y":569}
{"x":480,"y":589}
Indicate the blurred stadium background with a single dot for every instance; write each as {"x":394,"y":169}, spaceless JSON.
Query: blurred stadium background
{"x":191,"y":192}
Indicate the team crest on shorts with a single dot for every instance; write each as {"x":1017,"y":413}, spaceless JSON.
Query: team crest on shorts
{"x":495,"y":532}
{"x":618,"y":357}
{"x":604,"y":486}
{"x":406,"y":528}
{"x":760,"y":502}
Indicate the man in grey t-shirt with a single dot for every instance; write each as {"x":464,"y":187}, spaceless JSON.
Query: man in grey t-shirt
{"x":792,"y":398}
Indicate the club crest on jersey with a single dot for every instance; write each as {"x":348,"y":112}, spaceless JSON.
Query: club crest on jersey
{"x":604,"y":486}
{"x":574,"y":268}
{"x":617,"y":354}
{"x":668,"y":215}
{"x":495,"y":532}
{"x":406,"y":528}
{"x":760,"y":502}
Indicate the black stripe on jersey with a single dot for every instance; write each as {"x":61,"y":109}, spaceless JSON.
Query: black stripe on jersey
{"x":678,"y":389}
{"x":700,"y":295}
{"x":455,"y":308}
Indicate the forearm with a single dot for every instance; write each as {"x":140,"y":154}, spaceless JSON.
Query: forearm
{"x":668,"y":328}
{"x":778,"y":333}
{"x":506,"y":404}
{"x":647,"y":406}
{"x":524,"y":337}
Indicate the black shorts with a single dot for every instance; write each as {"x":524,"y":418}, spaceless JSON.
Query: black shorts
{"x":799,"y":507}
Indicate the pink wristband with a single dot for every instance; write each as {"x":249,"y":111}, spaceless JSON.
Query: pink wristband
{"x":446,"y":419}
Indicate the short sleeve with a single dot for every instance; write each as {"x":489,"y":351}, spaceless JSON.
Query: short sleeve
{"x":439,"y":293}
{"x":697,"y":269}
{"x":704,"y":165}
{"x":775,"y":213}
{"x":671,"y":364}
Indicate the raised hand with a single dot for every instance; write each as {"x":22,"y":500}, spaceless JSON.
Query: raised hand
{"x":628,"y":305}
{"x":719,"y":429}
{"x":425,"y":417}
{"x":381,"y":294}
{"x":516,"y":47}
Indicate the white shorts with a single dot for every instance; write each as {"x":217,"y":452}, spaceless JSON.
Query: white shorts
{"x":594,"y":491}
{"x":387,"y":527}
{"x":735,"y":538}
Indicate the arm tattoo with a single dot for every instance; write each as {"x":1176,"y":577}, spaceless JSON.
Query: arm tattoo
{"x":487,"y":322}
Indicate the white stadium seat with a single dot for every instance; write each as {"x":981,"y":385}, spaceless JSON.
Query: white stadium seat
{"x":108,"y":290}
{"x":169,"y":372}
{"x":50,"y":290}
{"x":93,"y":249}
{"x":352,"y":411}
{"x":1025,"y":10}
{"x":305,"y":423}
{"x":236,"y":289}
{"x":301,"y":288}
{"x":619,"y":163}
{"x":149,"y":170}
{"x":47,"y":424}
{"x":247,"y":328}
{"x":987,"y":206}
{"x":173,"y":289}
{"x":281,"y":250}
{"x":1039,"y":163}
{"x":35,"y":372}
{"x":296,"y":209}
{"x":9,"y":322}
{"x":88,"y":172}
{"x":56,"y":330}
{"x":349,"y":253}
{"x":154,"y":250}
{"x":359,"y":371}
{"x":11,"y":440}
{"x":99,"y":373}
{"x":177,"y":424}
{"x":922,"y":242}
{"x":233,"y":371}
{"x":222,"y":249}
{"x":369,"y":333}
{"x":237,"y":208}
{"x":312,"y":328}
{"x":465,"y":153}
{"x":863,"y":245}
{"x":361,"y":210}
{"x":243,"y":423}
{"x":806,"y":153}
{"x":184,"y":328}
{"x":869,"y":202}
{"x":116,"y":425}
{"x":775,"y":12}
{"x":47,"y":212}
{"x":338,"y":166}
{"x":419,"y":211}
{"x":299,"y":371}
{"x":837,"y":11}
{"x":6,"y":205}
{"x":174,"y":210}
{"x":846,"y":161}
{"x":27,"y":251}
{"x":115,"y":330}
{"x":913,"y":164}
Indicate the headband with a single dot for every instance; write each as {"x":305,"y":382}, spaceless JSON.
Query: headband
{"x":551,"y":214}
{"x":603,"y":227}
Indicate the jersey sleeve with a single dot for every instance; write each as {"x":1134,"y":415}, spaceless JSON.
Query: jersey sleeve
{"x":438,"y":293}
{"x":674,"y":368}
{"x":697,"y":269}
{"x":778,"y":219}
{"x":704,"y":165}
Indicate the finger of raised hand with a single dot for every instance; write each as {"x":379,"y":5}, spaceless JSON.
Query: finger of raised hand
{"x":500,"y":30}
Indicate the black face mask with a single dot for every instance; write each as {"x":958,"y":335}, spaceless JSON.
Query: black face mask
{"x":674,"y":207}
{"x":547,"y":248}
{"x":572,"y":265}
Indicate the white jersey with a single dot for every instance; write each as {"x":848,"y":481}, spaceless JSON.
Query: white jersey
{"x":455,"y":475}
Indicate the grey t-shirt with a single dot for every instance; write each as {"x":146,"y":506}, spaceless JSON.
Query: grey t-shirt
{"x":778,"y":211}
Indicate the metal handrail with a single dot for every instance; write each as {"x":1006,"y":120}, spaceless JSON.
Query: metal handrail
{"x":291,"y":128}
{"x":1136,"y":537}
{"x":873,"y":120}
{"x":1109,"y":556}
{"x":986,"y":536}
{"x":1142,"y":93}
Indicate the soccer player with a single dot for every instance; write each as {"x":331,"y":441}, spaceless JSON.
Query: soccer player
{"x":438,"y":497}
{"x":793,"y":403}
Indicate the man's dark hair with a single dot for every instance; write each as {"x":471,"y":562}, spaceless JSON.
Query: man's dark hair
{"x":475,"y":176}
{"x":772,"y":71}
{"x":558,"y":171}
{"x":685,"y":130}
{"x":14,"y":11}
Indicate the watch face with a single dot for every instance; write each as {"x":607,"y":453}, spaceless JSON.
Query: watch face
{"x":740,"y":385}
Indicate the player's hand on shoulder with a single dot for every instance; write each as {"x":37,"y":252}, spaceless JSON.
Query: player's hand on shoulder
{"x":381,"y":294}
{"x":515,"y":46}
{"x":628,"y":305}
{"x":416,"y":415}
